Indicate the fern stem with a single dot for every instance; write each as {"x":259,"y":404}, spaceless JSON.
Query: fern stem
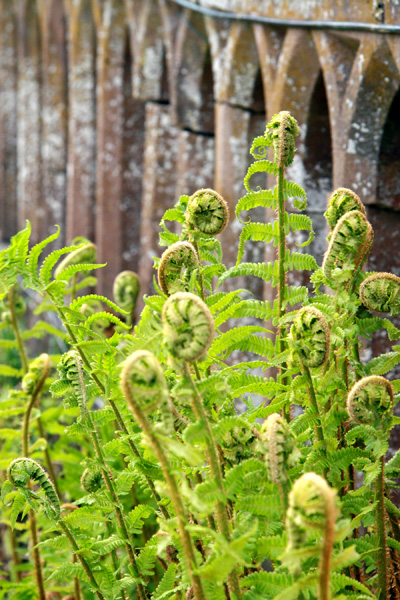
{"x":280,"y":344}
{"x":326,"y":557}
{"x":383,"y":583}
{"x":13,"y":542}
{"x":81,"y":558}
{"x":215,"y":467}
{"x":187,"y":542}
{"x":313,"y":402}
{"x":17,"y":333}
{"x":114,"y":407}
{"x":32,"y":515}
{"x":282,"y":244}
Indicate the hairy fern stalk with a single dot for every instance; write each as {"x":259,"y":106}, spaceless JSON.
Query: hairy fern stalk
{"x":128,"y":471}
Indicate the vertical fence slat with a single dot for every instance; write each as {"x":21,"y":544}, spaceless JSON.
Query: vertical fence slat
{"x":159,"y":183}
{"x":29,"y":119}
{"x":54,"y":116}
{"x":81,"y":121}
{"x":110,"y":97}
{"x":8,"y":120}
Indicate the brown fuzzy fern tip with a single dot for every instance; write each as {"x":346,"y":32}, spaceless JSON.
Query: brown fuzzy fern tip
{"x":281,"y":130}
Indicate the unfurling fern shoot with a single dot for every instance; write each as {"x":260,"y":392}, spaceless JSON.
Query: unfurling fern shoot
{"x":126,"y":289}
{"x":71,"y":369}
{"x":348,"y":248}
{"x":312,"y":508}
{"x":142,"y":372}
{"x":311,"y":337}
{"x":340,"y":202}
{"x":207,"y":211}
{"x":370,"y":402}
{"x":176,"y":267}
{"x":20,"y":472}
{"x":278,"y":444}
{"x":381,"y":292}
{"x":188,"y":328}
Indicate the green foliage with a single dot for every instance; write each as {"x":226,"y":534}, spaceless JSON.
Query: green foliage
{"x":161,"y":487}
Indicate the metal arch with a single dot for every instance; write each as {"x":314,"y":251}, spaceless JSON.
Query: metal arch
{"x":300,"y":23}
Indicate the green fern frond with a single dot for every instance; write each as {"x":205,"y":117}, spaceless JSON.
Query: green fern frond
{"x":300,"y":261}
{"x":265,"y":271}
{"x":76,"y":304}
{"x":301,"y":223}
{"x":255,"y":199}
{"x":258,"y":232}
{"x":260,"y":166}
{"x":68,"y":272}
{"x":12,"y":260}
{"x":233,"y":337}
{"x":259,"y":147}
{"x":294,"y":190}
{"x":105,"y":315}
{"x":50,"y":262}
{"x":34,"y":255}
{"x":166,"y":586}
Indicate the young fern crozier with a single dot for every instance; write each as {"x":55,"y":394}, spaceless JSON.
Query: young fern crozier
{"x":340,"y":202}
{"x":312,"y":508}
{"x":176,"y":267}
{"x":136,"y":372}
{"x":381,"y":292}
{"x":188,"y":326}
{"x":126,"y":289}
{"x":207,"y":211}
{"x":348,"y":248}
{"x":20,"y":472}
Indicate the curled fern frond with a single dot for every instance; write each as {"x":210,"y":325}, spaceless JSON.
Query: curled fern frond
{"x":188,"y":326}
{"x":311,"y":504}
{"x":143,"y":381}
{"x":278,"y":444}
{"x":282,"y":129}
{"x":176,"y":266}
{"x":263,"y":198}
{"x":85,"y":254}
{"x":381,"y":292}
{"x":348,"y":247}
{"x":91,"y":481}
{"x":259,"y":147}
{"x":38,"y":371}
{"x":21,"y":470}
{"x":207,"y":211}
{"x":70,"y":369}
{"x":340,"y":202}
{"x":310,"y":331}
{"x":126,"y":290}
{"x":236,"y":438}
{"x":370,"y":402}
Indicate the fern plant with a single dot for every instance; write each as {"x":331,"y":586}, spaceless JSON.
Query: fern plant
{"x":155,"y":486}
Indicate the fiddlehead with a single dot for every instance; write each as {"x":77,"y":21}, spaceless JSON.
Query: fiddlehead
{"x":278,"y":444}
{"x":19,"y":473}
{"x":22,"y":470}
{"x":281,"y":130}
{"x":207,"y":211}
{"x":70,"y":369}
{"x":350,"y":242}
{"x":36,"y":375}
{"x":381,"y":292}
{"x":92,"y":481}
{"x":126,"y":289}
{"x":132,"y":380}
{"x":340,"y":202}
{"x":370,"y":402}
{"x":147,"y":385}
{"x":310,"y":332}
{"x":312,"y":508}
{"x":176,"y":266}
{"x":188,"y":326}
{"x":237,"y":439}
